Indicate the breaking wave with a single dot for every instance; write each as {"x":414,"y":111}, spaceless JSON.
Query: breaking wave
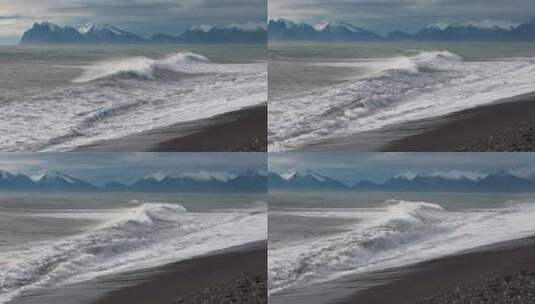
{"x":398,"y":89}
{"x":141,"y":67}
{"x":144,"y":235}
{"x":395,"y":234}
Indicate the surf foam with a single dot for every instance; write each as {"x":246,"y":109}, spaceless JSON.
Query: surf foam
{"x":396,"y":90}
{"x":142,"y":67}
{"x":395,"y":234}
{"x":130,"y":96}
{"x":146,"y":235}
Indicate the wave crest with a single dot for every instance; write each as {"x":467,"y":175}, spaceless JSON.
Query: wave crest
{"x":140,"y":67}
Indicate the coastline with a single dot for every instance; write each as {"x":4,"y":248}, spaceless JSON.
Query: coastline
{"x":505,"y":125}
{"x":500,"y":273}
{"x":243,"y":130}
{"x":232,"y":275}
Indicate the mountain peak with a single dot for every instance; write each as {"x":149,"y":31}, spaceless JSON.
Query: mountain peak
{"x":44,"y":176}
{"x":328,"y":25}
{"x":248,"y":26}
{"x":207,"y":176}
{"x":489,"y":24}
{"x":294,"y":173}
{"x":94,"y":27}
{"x":5,"y":174}
{"x":438,"y":26}
{"x":205,"y":28}
{"x":157,"y":176}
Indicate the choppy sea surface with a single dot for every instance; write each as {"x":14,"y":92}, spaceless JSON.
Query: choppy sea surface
{"x":324,"y":91}
{"x":63,"y":97}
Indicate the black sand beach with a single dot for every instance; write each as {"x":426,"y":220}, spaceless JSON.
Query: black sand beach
{"x":238,"y":276}
{"x":243,"y":130}
{"x":504,"y":273}
{"x":507,"y":125}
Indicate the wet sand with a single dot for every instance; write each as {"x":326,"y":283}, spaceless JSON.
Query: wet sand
{"x":234,"y":277}
{"x":503,"y":273}
{"x":243,"y":130}
{"x":506,"y":125}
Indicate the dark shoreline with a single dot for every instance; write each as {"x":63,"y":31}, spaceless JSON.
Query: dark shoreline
{"x":505,"y":125}
{"x":502,"y":273}
{"x":243,"y":130}
{"x":236,"y":276}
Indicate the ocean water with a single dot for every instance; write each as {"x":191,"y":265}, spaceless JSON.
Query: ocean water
{"x":63,"y":97}
{"x":324,"y":246}
{"x":51,"y":241}
{"x":321,"y":91}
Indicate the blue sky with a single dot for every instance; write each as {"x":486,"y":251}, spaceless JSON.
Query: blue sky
{"x":384,"y":15}
{"x":351,"y":167}
{"x":100,"y":168}
{"x":145,"y":17}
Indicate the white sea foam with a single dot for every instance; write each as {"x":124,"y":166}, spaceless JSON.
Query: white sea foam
{"x":128,"y":96}
{"x":144,"y":67}
{"x":395,"y":90}
{"x":145,"y":235}
{"x":395,"y":234}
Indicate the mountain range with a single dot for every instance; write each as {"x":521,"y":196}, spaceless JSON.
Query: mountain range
{"x":46,"y":32}
{"x":283,"y":29}
{"x":434,"y":182}
{"x":215,"y":182}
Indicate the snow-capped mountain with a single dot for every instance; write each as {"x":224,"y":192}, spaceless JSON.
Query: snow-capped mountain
{"x":10,"y":181}
{"x":283,"y":29}
{"x":342,"y":31}
{"x":467,"y":31}
{"x":202,"y":181}
{"x":61,"y":182}
{"x":43,"y":181}
{"x":248,"y":32}
{"x":468,"y":181}
{"x":108,"y":33}
{"x":46,"y":32}
{"x":304,"y":180}
{"x":479,"y":30}
{"x":250,"y":181}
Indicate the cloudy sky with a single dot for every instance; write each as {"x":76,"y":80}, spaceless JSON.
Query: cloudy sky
{"x":352,"y":167}
{"x":384,"y":15}
{"x":100,"y":168}
{"x":145,"y":17}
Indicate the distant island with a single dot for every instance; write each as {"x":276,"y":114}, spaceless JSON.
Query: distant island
{"x":283,"y":29}
{"x":49,"y":33}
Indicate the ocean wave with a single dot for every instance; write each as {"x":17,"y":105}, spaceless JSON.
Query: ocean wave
{"x":141,"y":67}
{"x":395,"y":234}
{"x":396,"y":90}
{"x":118,"y":105}
{"x":143,"y":235}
